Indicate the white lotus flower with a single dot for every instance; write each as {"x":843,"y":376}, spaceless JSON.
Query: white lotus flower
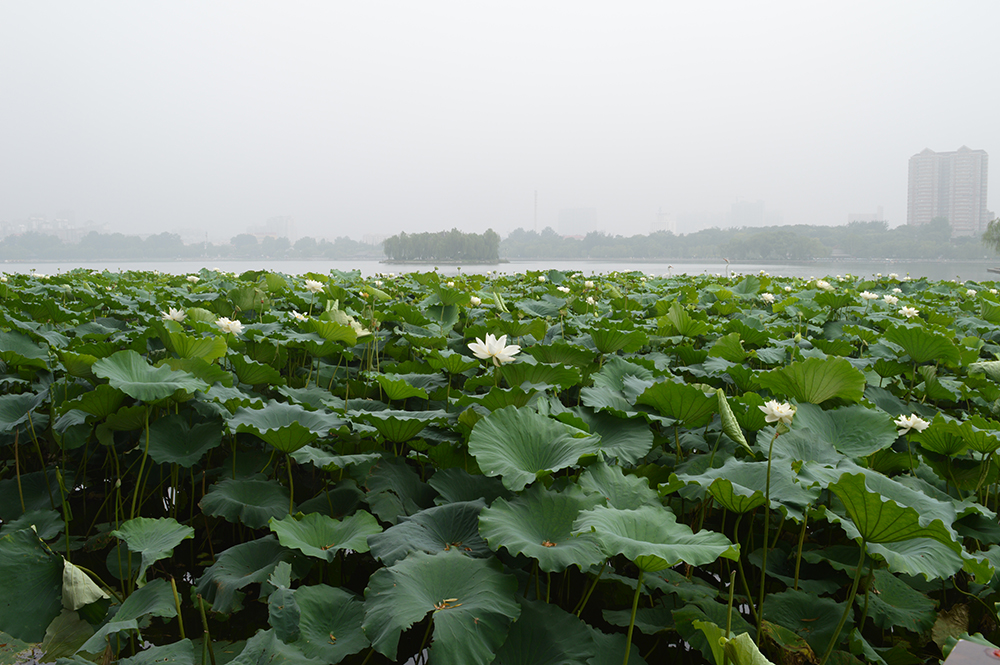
{"x":494,"y":348}
{"x":194,"y":279}
{"x":913,"y":421}
{"x":993,"y":291}
{"x":824,"y":285}
{"x":891,"y":300}
{"x":475,"y":301}
{"x":893,"y":275}
{"x":229,"y":326}
{"x":562,"y":289}
{"x":299,"y":316}
{"x":971,"y":293}
{"x":588,"y":284}
{"x":450,"y":285}
{"x":378,"y":283}
{"x":897,"y":290}
{"x":312,"y":286}
{"x":542,"y":278}
{"x":788,"y":289}
{"x":768,"y":298}
{"x":591,"y":301}
{"x":775,"y":411}
{"x":3,"y":278}
{"x":868,"y":295}
{"x":172,"y":314}
{"x":359,"y":329}
{"x":909,"y":312}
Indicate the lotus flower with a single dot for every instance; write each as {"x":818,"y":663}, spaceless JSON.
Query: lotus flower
{"x":591,"y":301}
{"x":494,"y":348}
{"x":312,"y":286}
{"x":768,"y":298}
{"x":824,"y":285}
{"x":562,"y":289}
{"x":194,"y":279}
{"x":475,"y":301}
{"x":172,"y":314}
{"x":542,"y":278}
{"x":913,"y":421}
{"x":588,"y":284}
{"x":891,"y":300}
{"x":775,"y":411}
{"x":229,"y":326}
{"x":909,"y":312}
{"x":299,"y":316}
{"x":971,"y":293}
{"x":868,"y":295}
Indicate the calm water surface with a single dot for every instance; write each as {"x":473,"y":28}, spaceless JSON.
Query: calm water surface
{"x":964,"y":271}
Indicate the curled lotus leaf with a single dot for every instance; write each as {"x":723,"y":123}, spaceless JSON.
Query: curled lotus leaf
{"x":287,"y":427}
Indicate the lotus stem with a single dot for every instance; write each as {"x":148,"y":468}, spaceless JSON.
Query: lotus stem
{"x":798,"y":551}
{"x":17,"y":470}
{"x":291,"y":485}
{"x":142,"y":467}
{"x":767,"y":525}
{"x":631,"y":621}
{"x":206,"y":635}
{"x":729,"y":613}
{"x":847,"y":609}
{"x":177,"y":604}
{"x":583,"y":601}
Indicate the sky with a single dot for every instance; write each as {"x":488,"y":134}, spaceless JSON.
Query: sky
{"x":377,"y":117}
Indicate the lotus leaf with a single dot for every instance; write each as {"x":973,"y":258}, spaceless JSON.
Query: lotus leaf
{"x":154,"y":539}
{"x":816,"y":381}
{"x":130,"y":373}
{"x":323,"y":537}
{"x":248,"y":501}
{"x":287,"y":427}
{"x":154,"y":599}
{"x":453,"y":526}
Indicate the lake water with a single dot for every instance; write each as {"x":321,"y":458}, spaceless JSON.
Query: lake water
{"x":964,"y":271}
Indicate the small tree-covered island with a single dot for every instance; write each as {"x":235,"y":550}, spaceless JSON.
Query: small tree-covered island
{"x":528,"y":468}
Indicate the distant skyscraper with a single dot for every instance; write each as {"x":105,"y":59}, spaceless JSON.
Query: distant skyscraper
{"x":950,"y":185}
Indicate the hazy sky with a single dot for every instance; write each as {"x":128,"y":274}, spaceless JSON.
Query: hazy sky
{"x":376,"y":117}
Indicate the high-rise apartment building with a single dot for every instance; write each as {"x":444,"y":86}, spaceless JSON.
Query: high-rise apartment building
{"x":950,"y":185}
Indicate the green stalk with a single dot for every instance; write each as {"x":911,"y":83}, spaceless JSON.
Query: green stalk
{"x":291,"y":485}
{"x":798,"y":552}
{"x":17,"y":471}
{"x":583,"y":601}
{"x":177,"y":604}
{"x":631,"y":622}
{"x":767,"y":526}
{"x":142,"y":467}
{"x":729,"y":614}
{"x":847,"y":609}
{"x":205,"y":635}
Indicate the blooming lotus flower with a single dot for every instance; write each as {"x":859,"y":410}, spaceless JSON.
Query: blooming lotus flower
{"x":591,"y":301}
{"x":897,"y":290}
{"x":299,"y":316}
{"x":824,"y":285}
{"x":229,"y":326}
{"x":913,"y":421}
{"x":450,"y":285}
{"x":172,"y":314}
{"x":312,"y":286}
{"x":775,"y":411}
{"x":868,"y":295}
{"x":3,"y":278}
{"x":494,"y":348}
{"x":909,"y":312}
{"x":194,"y":279}
{"x":562,"y":289}
{"x":768,"y":298}
{"x":788,"y":289}
{"x":475,"y":301}
{"x":993,"y":291}
{"x":891,"y":300}
{"x":971,"y":293}
{"x":542,"y":278}
{"x":378,"y":283}
{"x":893,"y":275}
{"x":588,"y":284}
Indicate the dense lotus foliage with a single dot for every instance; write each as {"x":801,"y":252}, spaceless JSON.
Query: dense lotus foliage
{"x":317,"y":469}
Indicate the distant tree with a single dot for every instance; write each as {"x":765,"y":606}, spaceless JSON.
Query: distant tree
{"x":244,"y":245}
{"x":992,"y":236}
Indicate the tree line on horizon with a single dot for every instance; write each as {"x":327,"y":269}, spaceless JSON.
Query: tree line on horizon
{"x":801,"y":242}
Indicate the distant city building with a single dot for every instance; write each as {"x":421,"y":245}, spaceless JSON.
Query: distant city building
{"x":950,"y":185}
{"x":747,"y":213}
{"x":577,"y":221}
{"x":665,"y":221}
{"x":274,"y":227}
{"x":373,"y":239}
{"x":64,"y":229}
{"x":866,"y":216}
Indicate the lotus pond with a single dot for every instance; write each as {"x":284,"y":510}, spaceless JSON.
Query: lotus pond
{"x":262,"y":468}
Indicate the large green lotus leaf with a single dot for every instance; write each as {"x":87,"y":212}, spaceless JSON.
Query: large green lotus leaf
{"x":982,"y":435}
{"x":39,"y":490}
{"x":520,"y":445}
{"x":254,"y":373}
{"x":395,"y":489}
{"x":46,"y":523}
{"x":15,"y":410}
{"x":457,"y":484}
{"x":78,"y":589}
{"x":609,"y":648}
{"x":919,"y":556}
{"x":181,"y":652}
{"x":617,"y":489}
{"x":539,"y":374}
{"x":154,"y":599}
{"x":472,"y":601}
{"x":323,"y":537}
{"x":451,"y":362}
{"x":190,"y":346}
{"x":943,"y":437}
{"x":101,"y":402}
{"x":30,"y":585}
{"x":746,"y":481}
{"x":330,"y":623}
{"x":612,"y":338}
{"x":498,"y":398}
{"x":616,"y":369}
{"x":128,"y":418}
{"x":329,"y":461}
{"x":287,"y":427}
{"x":519,"y":328}
{"x":77,"y":364}
{"x":652,"y":539}
{"x":681,"y":401}
{"x":853,"y":430}
{"x":238,"y":567}
{"x":812,"y":617}
{"x":561,"y":353}
{"x":266,"y":647}
{"x":730,"y":424}
{"x":924,"y":346}
{"x":729,"y":347}
{"x":398,"y":388}
{"x":399,"y":426}
{"x":539,"y":524}
{"x":208,"y":372}
{"x":546,"y":634}
{"x":332,"y":331}
{"x":626,"y":440}
{"x":814,"y":380}
{"x":153,"y":538}
{"x":895,"y":604}
{"x":246,"y":500}
{"x":130,"y":373}
{"x":453,"y":526}
{"x":18,"y":350}
{"x":741,"y":650}
{"x":875,"y":519}
{"x":173,"y":441}
{"x":682,"y":322}
{"x":63,"y":637}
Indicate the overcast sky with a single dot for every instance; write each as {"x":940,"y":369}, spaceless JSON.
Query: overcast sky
{"x":377,"y":117}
